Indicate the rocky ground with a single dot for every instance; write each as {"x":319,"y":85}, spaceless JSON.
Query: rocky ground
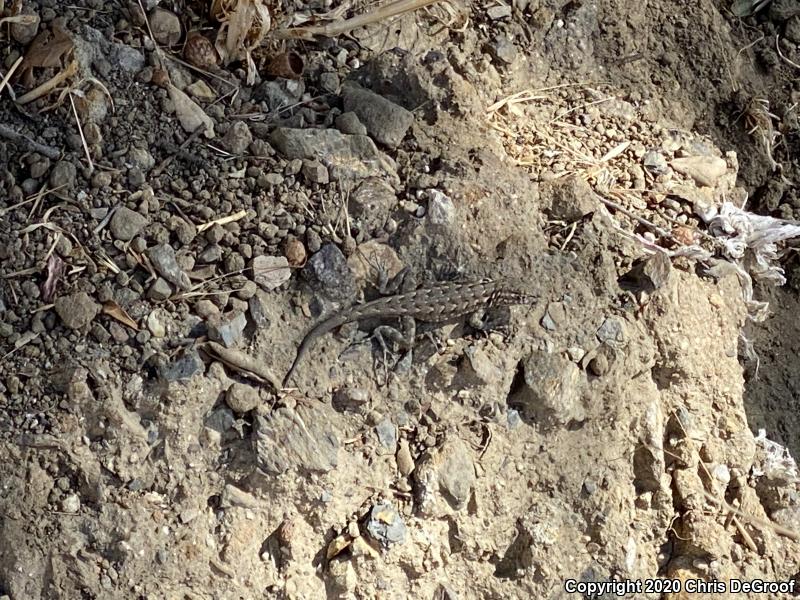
{"x":175,"y":216}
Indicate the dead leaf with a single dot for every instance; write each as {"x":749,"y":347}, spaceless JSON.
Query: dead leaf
{"x":189,"y":113}
{"x":244,"y":25}
{"x":46,"y":50}
{"x":115,"y":311}
{"x":56,"y":269}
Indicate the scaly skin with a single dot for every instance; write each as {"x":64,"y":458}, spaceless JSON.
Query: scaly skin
{"x":437,"y":303}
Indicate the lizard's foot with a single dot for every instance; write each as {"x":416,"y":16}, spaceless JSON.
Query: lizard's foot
{"x":403,"y":340}
{"x":495,"y":320}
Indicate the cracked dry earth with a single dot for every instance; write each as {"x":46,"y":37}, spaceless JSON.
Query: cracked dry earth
{"x":151,"y":301}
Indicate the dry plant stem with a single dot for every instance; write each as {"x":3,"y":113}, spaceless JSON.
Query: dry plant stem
{"x":49,"y":85}
{"x":779,"y":529}
{"x":778,"y":48}
{"x":80,"y":131}
{"x":222,"y":221}
{"x":17,"y":138}
{"x":8,"y":76}
{"x":392,"y":9}
{"x":645,"y":222}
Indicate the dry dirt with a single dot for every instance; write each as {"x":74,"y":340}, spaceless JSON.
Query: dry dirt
{"x":155,"y":284}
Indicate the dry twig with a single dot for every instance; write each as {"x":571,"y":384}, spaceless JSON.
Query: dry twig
{"x":17,"y":138}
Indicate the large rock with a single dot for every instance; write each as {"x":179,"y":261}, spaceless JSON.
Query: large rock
{"x":346,"y":156}
{"x":386,"y":122}
{"x":301,"y":438}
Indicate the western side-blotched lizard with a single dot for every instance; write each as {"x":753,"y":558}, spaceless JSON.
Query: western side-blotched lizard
{"x":437,"y":303}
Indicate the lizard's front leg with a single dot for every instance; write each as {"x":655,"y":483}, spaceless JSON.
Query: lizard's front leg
{"x":495,"y":319}
{"x":403,"y":339}
{"x":404,"y":281}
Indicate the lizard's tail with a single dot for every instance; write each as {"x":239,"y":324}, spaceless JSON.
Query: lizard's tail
{"x":317,"y":331}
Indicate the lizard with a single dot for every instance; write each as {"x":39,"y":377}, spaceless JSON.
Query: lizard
{"x":436,"y":303}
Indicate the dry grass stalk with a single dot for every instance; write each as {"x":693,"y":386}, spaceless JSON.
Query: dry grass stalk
{"x":49,"y":85}
{"x":80,"y":132}
{"x":758,"y":121}
{"x":222,"y":221}
{"x":778,"y":48}
{"x":17,"y":138}
{"x":8,"y":76}
{"x":393,"y":9}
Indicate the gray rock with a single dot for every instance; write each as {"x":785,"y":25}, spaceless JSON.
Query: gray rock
{"x":183,"y":229}
{"x":23,"y":34}
{"x":613,"y":332}
{"x":329,"y":82}
{"x":302,"y":438}
{"x":279,"y":94}
{"x":347,"y":156}
{"x":649,"y":457}
{"x":655,"y":162}
{"x":503,"y":50}
{"x":126,"y":224}
{"x":71,"y":504}
{"x":554,"y":316}
{"x":220,"y":420}
{"x":206,"y":309}
{"x":40,"y":167}
{"x":705,"y":170}
{"x":163,"y":259}
{"x":29,"y":186}
{"x":550,"y":391}
{"x":77,"y":310}
{"x":228,"y":330}
{"x":270,"y":272}
{"x":210,"y":254}
{"x":327,"y":271}
{"x":371,"y":204}
{"x":649,"y":274}
{"x":783,"y":10}
{"x":293,"y":167}
{"x":348,"y":123}
{"x":456,"y":474}
{"x":63,"y":175}
{"x":350,"y":399}
{"x":241,"y":398}
{"x":387,"y":434}
{"x":140,"y":158}
{"x":238,"y":138}
{"x":94,"y":47}
{"x":571,"y":198}
{"x":500,"y":11}
{"x":182,"y":368}
{"x":441,"y":210}
{"x":258,"y":311}
{"x":385,"y":526}
{"x":792,"y":32}
{"x":160,"y":290}
{"x":386,"y":122}
{"x":166,"y":26}
{"x":270,"y":180}
{"x":315,"y":172}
